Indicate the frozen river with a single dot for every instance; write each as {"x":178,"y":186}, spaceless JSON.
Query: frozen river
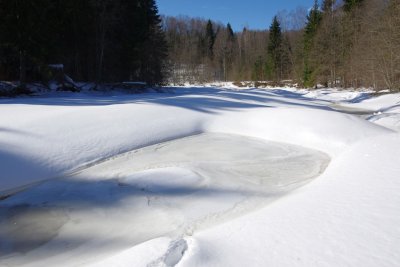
{"x":170,"y":189}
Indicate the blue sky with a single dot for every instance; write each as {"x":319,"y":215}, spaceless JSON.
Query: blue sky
{"x":255,"y":14}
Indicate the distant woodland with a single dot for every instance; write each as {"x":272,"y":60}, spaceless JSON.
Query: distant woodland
{"x":349,"y":43}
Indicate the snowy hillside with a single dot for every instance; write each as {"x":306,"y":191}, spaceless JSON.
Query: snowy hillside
{"x":201,"y":176}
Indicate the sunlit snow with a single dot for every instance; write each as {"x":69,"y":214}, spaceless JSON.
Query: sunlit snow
{"x":201,"y":176}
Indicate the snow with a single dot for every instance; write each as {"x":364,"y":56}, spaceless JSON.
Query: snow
{"x":384,"y":110}
{"x":389,"y":119}
{"x":177,"y":187}
{"x":347,"y":217}
{"x":379,"y":103}
{"x":201,"y":176}
{"x":336,"y":95}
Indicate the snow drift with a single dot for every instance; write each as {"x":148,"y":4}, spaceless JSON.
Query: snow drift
{"x":346,"y":217}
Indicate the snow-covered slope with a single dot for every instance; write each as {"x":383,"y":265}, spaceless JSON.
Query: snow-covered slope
{"x":385,"y":109}
{"x":346,"y":217}
{"x":43,"y":138}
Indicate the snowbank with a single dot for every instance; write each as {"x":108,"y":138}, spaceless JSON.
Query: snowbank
{"x":347,"y":217}
{"x":50,"y":137}
{"x":376,"y":104}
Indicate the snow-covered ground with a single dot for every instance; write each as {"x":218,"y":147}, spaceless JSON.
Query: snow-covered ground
{"x":201,"y":176}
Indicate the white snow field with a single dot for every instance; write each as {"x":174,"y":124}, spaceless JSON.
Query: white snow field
{"x":201,"y":176}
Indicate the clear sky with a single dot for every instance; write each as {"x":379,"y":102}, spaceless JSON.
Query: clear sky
{"x":254,"y":14}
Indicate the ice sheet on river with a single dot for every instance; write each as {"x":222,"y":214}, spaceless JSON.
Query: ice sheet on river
{"x":170,"y":189}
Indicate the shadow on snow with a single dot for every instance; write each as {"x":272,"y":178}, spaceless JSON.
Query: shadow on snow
{"x":208,"y":100}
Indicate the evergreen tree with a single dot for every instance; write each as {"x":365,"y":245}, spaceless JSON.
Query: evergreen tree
{"x":142,"y":44}
{"x":274,"y":64}
{"x":23,"y":32}
{"x":72,"y":29}
{"x":231,"y":34}
{"x":95,"y":40}
{"x":155,"y":46}
{"x":228,"y":50}
{"x":210,"y":39}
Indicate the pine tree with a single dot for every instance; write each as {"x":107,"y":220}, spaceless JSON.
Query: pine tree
{"x":95,"y":40}
{"x":210,"y":39}
{"x":137,"y":48}
{"x":230,"y":32}
{"x":228,"y":50}
{"x":274,"y":63}
{"x":72,"y":28}
{"x":155,"y":49}
{"x":313,"y":21}
{"x":23,"y":32}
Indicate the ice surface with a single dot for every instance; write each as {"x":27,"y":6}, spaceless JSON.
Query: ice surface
{"x":24,"y":227}
{"x":169,"y":189}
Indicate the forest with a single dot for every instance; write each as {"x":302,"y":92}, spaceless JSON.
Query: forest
{"x":349,"y":43}
{"x":94,"y":40}
{"x":354,"y":43}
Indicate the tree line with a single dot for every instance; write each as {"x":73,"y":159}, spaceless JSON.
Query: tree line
{"x":203,"y":50}
{"x":94,"y":40}
{"x":354,"y":44}
{"x":349,"y":43}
